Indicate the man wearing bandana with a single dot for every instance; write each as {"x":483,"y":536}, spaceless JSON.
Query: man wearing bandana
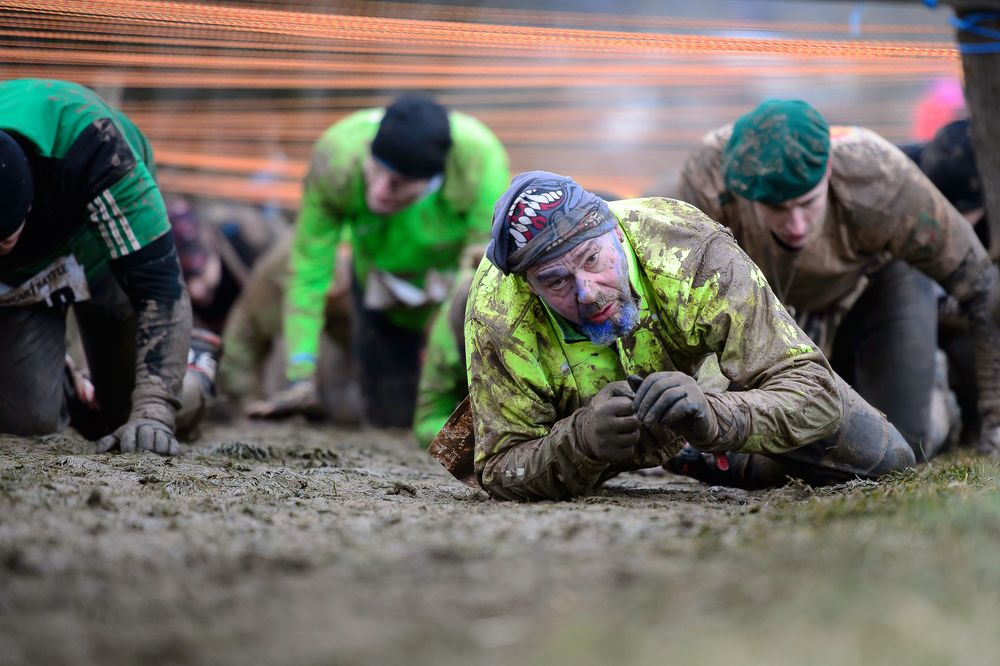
{"x":849,"y":233}
{"x":411,"y":186}
{"x":589,"y":329}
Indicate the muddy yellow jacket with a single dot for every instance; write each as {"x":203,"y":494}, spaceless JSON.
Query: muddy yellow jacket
{"x":531,"y":374}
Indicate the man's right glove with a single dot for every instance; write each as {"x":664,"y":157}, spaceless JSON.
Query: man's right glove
{"x":300,"y":397}
{"x":141,"y":434}
{"x":675,"y":400}
{"x":609,"y":429}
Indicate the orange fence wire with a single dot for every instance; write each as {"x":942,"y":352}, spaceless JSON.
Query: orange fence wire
{"x":221,"y":90}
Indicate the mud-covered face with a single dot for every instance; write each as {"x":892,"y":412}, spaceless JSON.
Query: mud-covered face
{"x":386,"y":191}
{"x":797,"y":221}
{"x":7,"y":244}
{"x":589,"y":286}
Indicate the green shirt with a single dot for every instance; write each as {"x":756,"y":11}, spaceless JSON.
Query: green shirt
{"x":428,"y":234}
{"x":95,"y":198}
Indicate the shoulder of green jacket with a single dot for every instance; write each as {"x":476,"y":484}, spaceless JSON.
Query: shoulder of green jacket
{"x":51,"y":114}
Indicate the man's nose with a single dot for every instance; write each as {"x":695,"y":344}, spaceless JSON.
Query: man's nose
{"x":797,"y":223}
{"x":381,"y":187}
{"x":585,"y":291}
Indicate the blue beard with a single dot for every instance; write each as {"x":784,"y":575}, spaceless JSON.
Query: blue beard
{"x":607,"y":332}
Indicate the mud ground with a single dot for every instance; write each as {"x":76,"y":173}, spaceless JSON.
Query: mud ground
{"x":296,"y":544}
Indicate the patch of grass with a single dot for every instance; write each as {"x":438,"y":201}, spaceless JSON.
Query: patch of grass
{"x":911,"y":490}
{"x":243,"y":451}
{"x":904,"y":571}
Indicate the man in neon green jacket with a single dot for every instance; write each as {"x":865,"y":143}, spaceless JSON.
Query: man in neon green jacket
{"x":587,"y":325}
{"x":414,"y":184}
{"x":443,"y":377}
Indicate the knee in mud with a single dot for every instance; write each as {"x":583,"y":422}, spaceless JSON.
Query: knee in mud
{"x":867,"y":442}
{"x":34,"y":423}
{"x":898,"y":455}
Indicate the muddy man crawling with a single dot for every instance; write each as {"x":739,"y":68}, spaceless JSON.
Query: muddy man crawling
{"x":576,"y":295}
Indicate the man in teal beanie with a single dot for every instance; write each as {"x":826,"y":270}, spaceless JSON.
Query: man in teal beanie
{"x":850,"y":234}
{"x":777,"y":152}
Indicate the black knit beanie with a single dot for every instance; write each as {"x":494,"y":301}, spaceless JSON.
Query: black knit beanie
{"x":16,"y":186}
{"x":414,"y":137}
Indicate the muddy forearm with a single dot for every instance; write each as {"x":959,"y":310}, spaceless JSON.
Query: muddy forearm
{"x":795,"y":406}
{"x":986,"y":341}
{"x":163,"y":337}
{"x":151,"y":278}
{"x":986,"y":344}
{"x":551,"y":467}
{"x":975,"y":285}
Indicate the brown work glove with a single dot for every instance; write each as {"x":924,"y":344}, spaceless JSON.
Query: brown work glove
{"x":608,"y":427}
{"x":141,"y":435}
{"x":674,"y":400}
{"x":299,"y":397}
{"x":149,"y":428}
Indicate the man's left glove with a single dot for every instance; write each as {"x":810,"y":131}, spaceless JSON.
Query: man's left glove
{"x":675,"y":400}
{"x":141,"y":434}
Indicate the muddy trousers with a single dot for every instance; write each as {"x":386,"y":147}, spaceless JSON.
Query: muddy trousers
{"x":388,"y":361}
{"x":866,"y":446}
{"x":885,"y":349}
{"x":36,"y":393}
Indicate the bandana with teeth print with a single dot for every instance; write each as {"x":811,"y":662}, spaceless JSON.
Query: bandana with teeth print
{"x":542,"y":216}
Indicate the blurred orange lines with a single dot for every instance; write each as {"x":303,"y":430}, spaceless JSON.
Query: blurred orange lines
{"x":384,"y":30}
{"x":366,"y":68}
{"x":561,"y":17}
{"x":615,"y":98}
